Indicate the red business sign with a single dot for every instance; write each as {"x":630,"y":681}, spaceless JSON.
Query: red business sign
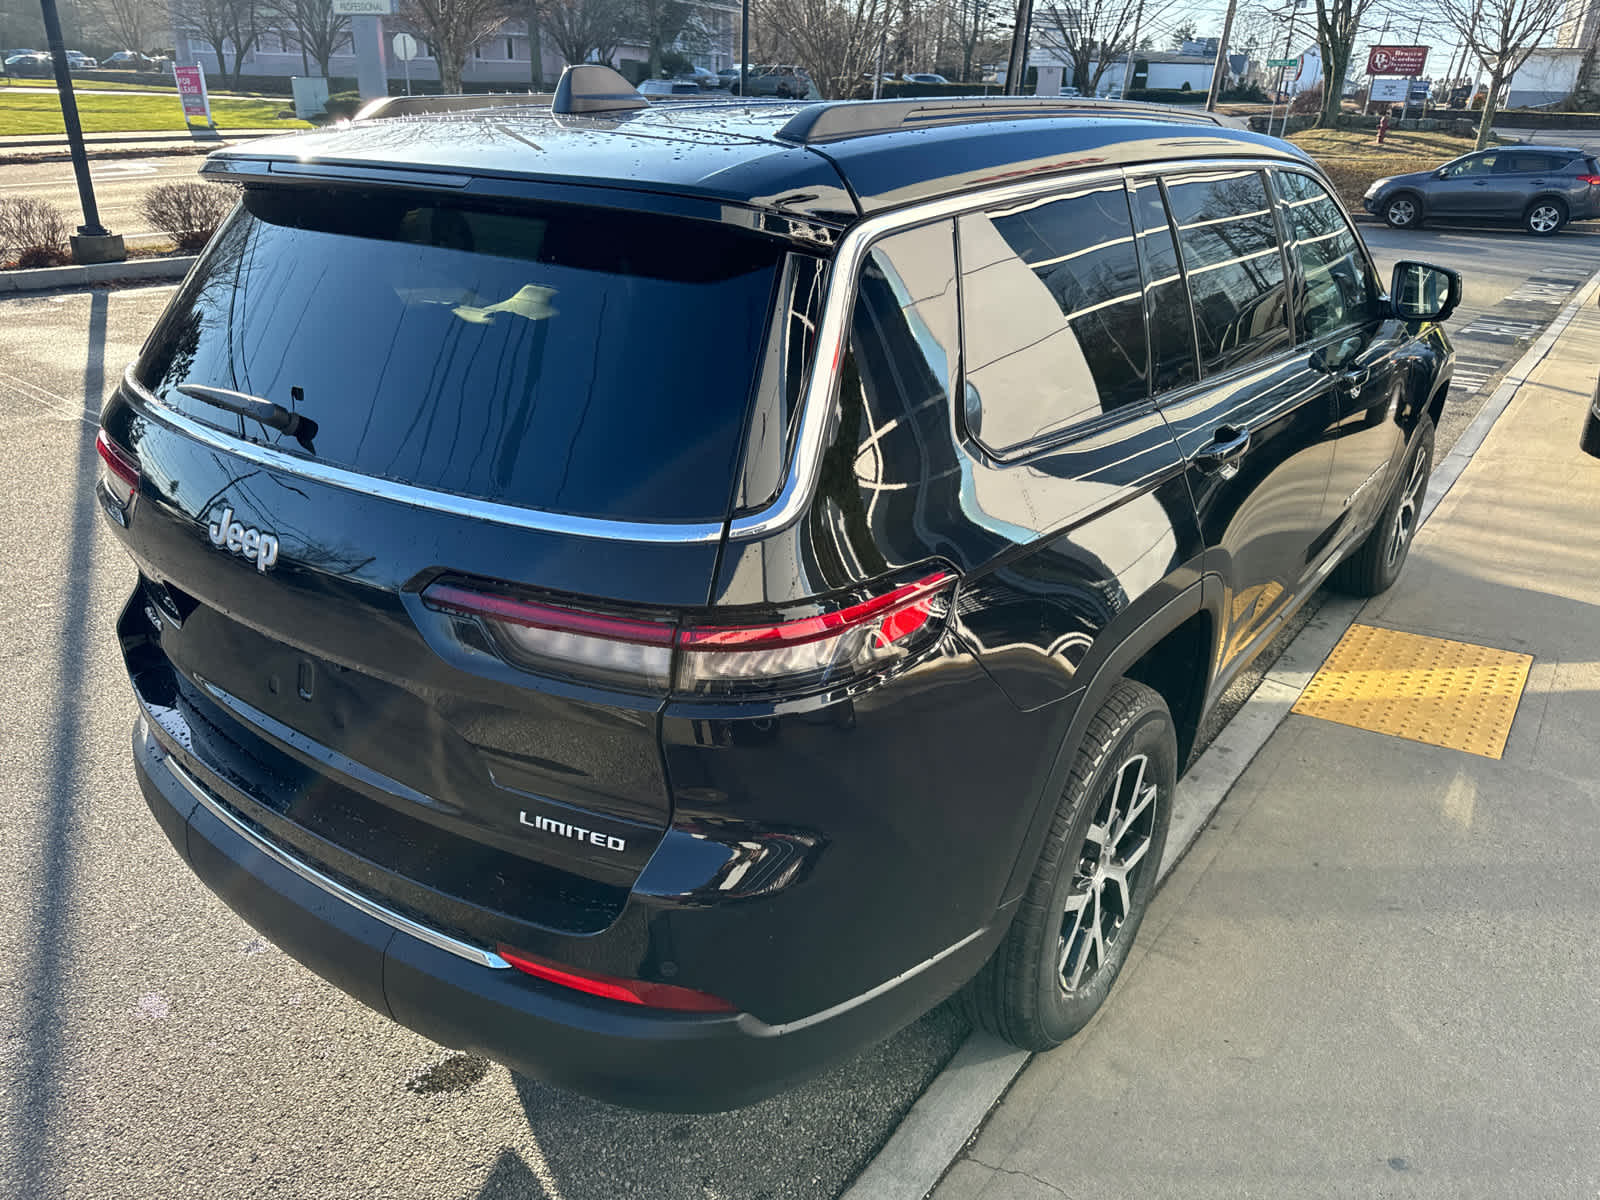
{"x":1396,"y":60}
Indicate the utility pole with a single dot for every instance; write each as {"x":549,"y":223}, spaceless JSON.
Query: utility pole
{"x":93,"y":242}
{"x":744,"y":48}
{"x":1219,"y":73}
{"x":1017,"y":64}
{"x":1288,"y":46}
{"x":1371,"y":77}
{"x":1133,"y":45}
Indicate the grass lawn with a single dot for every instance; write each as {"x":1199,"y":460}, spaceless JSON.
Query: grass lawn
{"x":1353,"y":159}
{"x":37,"y":110}
{"x":92,"y":85}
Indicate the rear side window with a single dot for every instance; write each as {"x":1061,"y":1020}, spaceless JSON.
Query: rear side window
{"x":1052,"y":315}
{"x":560,"y":358}
{"x":1523,"y":162}
{"x":1172,"y":358}
{"x":1339,"y":288}
{"x":1234,"y":266}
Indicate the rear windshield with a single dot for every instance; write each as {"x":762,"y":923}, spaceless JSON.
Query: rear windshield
{"x":561,"y":358}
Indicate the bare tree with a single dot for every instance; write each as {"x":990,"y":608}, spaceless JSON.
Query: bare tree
{"x":836,"y":41}
{"x":581,"y":28}
{"x":453,"y":28}
{"x":1502,"y":37}
{"x":222,"y":24}
{"x":660,"y":22}
{"x":128,"y":22}
{"x":1337,"y":24}
{"x":318,"y":30}
{"x":1090,"y":36}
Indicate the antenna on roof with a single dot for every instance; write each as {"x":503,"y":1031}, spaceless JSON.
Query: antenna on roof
{"x":594,"y":88}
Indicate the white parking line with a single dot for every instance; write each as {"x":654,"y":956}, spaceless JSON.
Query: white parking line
{"x":958,"y":1100}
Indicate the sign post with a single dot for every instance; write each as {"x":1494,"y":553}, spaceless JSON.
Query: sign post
{"x":192,"y":91}
{"x":405,"y":49}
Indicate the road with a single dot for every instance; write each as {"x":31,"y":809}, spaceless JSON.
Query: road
{"x":155,"y":1046}
{"x":119,"y":184}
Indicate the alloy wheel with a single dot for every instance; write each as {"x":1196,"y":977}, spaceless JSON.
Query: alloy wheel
{"x":1544,"y":219}
{"x":1402,"y":212}
{"x":1111,"y":867}
{"x":1405,"y":517}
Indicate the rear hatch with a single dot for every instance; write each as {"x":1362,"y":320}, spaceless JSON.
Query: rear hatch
{"x":479,"y":407}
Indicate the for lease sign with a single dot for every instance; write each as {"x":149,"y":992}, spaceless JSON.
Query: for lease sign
{"x":1396,"y":60}
{"x":192,"y":90}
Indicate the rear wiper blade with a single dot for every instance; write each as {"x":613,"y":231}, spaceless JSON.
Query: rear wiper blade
{"x":274,"y":416}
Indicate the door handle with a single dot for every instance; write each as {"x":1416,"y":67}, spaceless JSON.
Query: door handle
{"x":1353,"y":381}
{"x":1223,"y":454}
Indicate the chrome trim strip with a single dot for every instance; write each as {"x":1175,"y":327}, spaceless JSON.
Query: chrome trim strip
{"x":816,"y":414}
{"x":805,"y":464}
{"x":421,"y":497}
{"x":761,"y":1029}
{"x":443,"y":941}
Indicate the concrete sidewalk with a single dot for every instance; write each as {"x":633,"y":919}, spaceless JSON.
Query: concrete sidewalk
{"x":1378,"y":971}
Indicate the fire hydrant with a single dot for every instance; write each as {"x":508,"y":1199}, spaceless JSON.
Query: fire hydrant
{"x":1383,"y":128}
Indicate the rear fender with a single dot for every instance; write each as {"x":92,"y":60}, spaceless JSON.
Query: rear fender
{"x":1122,"y":644}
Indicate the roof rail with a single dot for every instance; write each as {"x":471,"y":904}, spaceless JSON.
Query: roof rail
{"x":595,"y":88}
{"x":836,"y":120}
{"x":386,"y":107}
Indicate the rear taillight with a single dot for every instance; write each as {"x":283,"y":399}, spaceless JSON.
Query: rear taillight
{"x":612,"y":987}
{"x":119,"y":472}
{"x":567,"y":641}
{"x":817,"y":651}
{"x":692,"y":656}
{"x":1591,"y":180}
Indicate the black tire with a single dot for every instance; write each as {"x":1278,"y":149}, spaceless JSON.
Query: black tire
{"x":1403,"y":210}
{"x":1545,"y":217}
{"x":1022,"y":993}
{"x":1374,"y":565}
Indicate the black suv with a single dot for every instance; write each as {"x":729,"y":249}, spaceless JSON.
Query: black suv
{"x":664,"y":597}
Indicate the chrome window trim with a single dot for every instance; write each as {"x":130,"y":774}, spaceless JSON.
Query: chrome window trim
{"x":816,"y":409}
{"x":420,"y":497}
{"x":442,"y":941}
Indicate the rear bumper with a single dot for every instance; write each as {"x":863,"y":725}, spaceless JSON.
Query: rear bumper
{"x":612,"y":1051}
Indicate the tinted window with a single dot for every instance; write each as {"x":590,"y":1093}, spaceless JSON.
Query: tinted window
{"x":1231,"y":256}
{"x":1522,"y":162}
{"x":559,"y":358}
{"x":1052,"y":315}
{"x":1339,"y":288}
{"x":1172,"y":360}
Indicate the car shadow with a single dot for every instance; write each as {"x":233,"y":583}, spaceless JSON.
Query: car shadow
{"x":816,"y":1135}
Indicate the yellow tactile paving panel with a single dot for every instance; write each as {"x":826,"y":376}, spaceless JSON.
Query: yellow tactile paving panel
{"x":1427,"y":689}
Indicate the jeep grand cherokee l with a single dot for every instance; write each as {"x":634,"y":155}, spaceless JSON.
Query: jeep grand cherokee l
{"x":663,"y":597}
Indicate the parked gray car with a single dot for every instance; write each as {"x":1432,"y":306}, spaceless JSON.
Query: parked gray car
{"x":1539,"y":187}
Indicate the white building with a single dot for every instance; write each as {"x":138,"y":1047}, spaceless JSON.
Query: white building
{"x":1154,"y":69}
{"x":1581,"y":28}
{"x":1548,"y":77}
{"x":500,"y":59}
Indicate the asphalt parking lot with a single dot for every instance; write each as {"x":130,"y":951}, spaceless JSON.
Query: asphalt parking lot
{"x":156,"y":1046}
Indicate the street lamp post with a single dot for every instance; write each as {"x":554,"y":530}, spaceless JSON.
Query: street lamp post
{"x":744,"y":47}
{"x":93,"y":242}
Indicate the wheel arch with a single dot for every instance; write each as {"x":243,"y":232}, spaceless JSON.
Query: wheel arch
{"x":1170,"y":650}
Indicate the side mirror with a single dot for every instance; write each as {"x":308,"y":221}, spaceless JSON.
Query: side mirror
{"x":1423,"y":292}
{"x":1442,"y":173}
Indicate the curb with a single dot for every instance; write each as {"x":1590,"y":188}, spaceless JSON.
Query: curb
{"x":138,"y":270}
{"x":952,"y":1110}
